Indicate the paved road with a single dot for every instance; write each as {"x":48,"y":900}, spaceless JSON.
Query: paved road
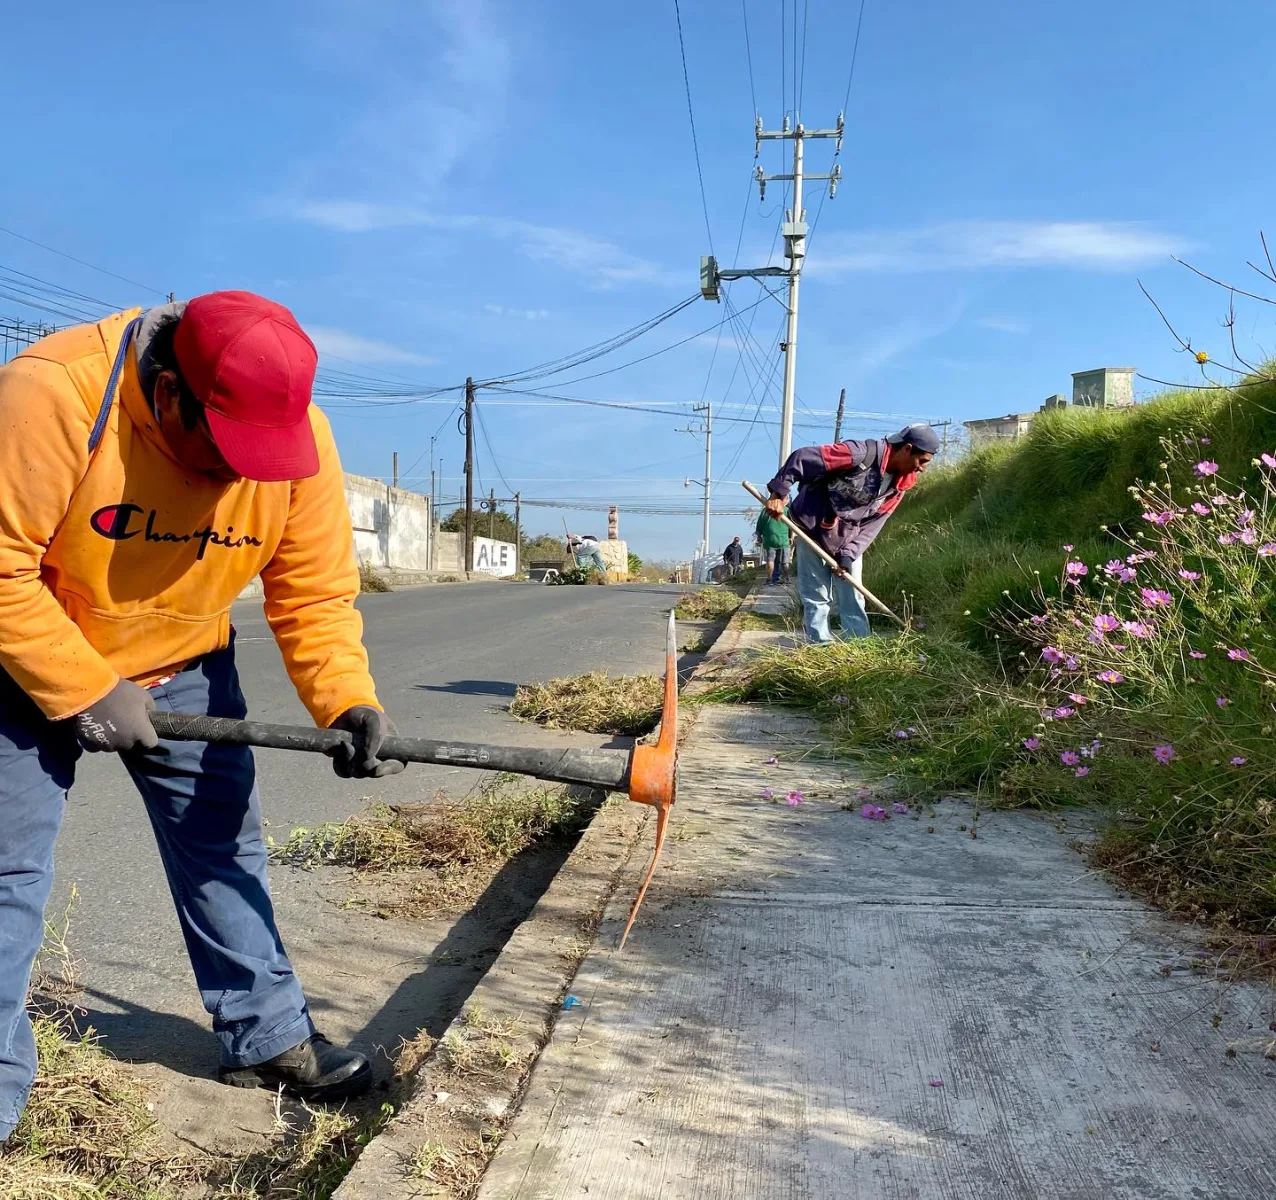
{"x":446,"y":659}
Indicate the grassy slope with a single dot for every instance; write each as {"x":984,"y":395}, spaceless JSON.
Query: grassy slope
{"x":981,"y":527}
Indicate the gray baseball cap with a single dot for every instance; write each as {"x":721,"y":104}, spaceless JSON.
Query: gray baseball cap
{"x":920,"y":437}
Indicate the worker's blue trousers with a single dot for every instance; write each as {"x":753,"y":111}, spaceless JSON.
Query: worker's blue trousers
{"x":203,"y":805}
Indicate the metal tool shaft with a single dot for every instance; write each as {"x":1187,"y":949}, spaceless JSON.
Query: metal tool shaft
{"x":595,"y":768}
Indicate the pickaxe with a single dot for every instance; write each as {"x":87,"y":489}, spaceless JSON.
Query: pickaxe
{"x":807,"y":540}
{"x":648,"y":774}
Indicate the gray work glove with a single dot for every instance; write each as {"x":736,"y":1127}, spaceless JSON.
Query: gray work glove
{"x":120,"y":721}
{"x":370,"y":727}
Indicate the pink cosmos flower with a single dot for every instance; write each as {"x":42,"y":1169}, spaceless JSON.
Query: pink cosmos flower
{"x":1206,"y":468}
{"x":1075,"y":569}
{"x":1037,"y":620}
{"x":768,"y":794}
{"x":1159,"y":518}
{"x":1220,"y":499}
{"x":1141,"y":556}
{"x":1063,"y":712}
{"x":1238,"y":761}
{"x":1070,"y":758}
{"x":1247,"y":537}
{"x":1081,"y":772}
{"x":900,"y":733}
{"x":1267,"y":550}
{"x":1196,"y":654}
{"x":1127,"y":575}
{"x":1118,"y":645}
{"x":1156,"y":598}
{"x":1204,"y":441}
{"x":1222,"y":701}
{"x":1115,"y":567}
{"x":1226,"y":539}
{"x":1245,"y":517}
{"x":1032,"y":743}
{"x":1201,"y":510}
{"x":1051,"y":655}
{"x":1190,"y":576}
{"x":1068,"y":547}
{"x":1077,"y":698}
{"x":772,"y":761}
{"x":1139,"y":629}
{"x":1163,"y":754}
{"x":1268,"y":461}
{"x":871,"y":812}
{"x":897,"y":807}
{"x":794,"y":798}
{"x":1110,"y":677}
{"x":1072,"y":662}
{"x":1106,"y":623}
{"x":1238,"y":655}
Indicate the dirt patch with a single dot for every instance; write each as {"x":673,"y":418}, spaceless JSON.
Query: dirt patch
{"x":626,"y":705}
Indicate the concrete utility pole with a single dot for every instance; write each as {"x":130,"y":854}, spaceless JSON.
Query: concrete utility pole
{"x":491,"y":515}
{"x":794,"y":230}
{"x":707,"y":429}
{"x":518,"y":533}
{"x":841,"y":408}
{"x":469,"y":477}
{"x":396,"y":469}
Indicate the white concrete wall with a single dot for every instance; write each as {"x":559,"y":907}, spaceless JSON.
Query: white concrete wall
{"x":391,"y":526}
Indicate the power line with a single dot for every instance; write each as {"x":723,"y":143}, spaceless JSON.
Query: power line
{"x":487,"y":441}
{"x":92,"y":267}
{"x":695,"y":142}
{"x":806,"y":12}
{"x":855,"y":53}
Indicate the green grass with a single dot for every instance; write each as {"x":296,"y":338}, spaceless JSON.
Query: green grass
{"x":708,"y":604}
{"x":973,"y":703}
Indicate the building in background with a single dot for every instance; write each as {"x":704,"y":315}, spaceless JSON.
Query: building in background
{"x":1104,"y":387}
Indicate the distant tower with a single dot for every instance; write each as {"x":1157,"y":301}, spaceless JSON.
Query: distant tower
{"x":1105,"y":387}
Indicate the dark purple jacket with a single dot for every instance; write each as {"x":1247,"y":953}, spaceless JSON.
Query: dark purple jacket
{"x":844,"y":494}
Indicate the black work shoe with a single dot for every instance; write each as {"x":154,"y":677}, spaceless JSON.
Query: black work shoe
{"x":313,"y":1070}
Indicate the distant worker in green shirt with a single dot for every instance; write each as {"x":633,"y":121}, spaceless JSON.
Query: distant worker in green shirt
{"x":774,"y":536}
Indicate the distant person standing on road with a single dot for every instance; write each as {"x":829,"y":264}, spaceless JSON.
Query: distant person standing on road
{"x":733,"y":556}
{"x":774,"y":535}
{"x":845,"y":493}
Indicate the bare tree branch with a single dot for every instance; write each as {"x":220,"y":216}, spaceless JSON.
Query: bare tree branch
{"x":1220,"y":283}
{"x":1173,"y":332}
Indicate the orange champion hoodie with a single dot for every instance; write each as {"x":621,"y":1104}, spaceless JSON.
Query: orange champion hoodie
{"x":124,"y":564}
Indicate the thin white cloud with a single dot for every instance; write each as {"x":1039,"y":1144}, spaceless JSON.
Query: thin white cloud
{"x":979,"y":245}
{"x":1002,"y":324}
{"x":527,"y":314}
{"x":601,"y":262}
{"x":342,"y":344}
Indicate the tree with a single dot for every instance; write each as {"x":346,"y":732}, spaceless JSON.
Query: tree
{"x":635,"y":565}
{"x":501,"y":525}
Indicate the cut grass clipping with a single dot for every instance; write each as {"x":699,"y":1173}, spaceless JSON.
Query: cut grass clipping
{"x":459,"y":846}
{"x":708,"y":604}
{"x":626,"y":705}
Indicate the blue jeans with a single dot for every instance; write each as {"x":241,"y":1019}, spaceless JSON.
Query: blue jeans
{"x":816,"y":586}
{"x":593,"y":558}
{"x":204,"y":809}
{"x":777,"y":559}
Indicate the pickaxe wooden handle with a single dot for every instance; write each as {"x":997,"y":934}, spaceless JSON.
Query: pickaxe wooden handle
{"x":828,"y":558}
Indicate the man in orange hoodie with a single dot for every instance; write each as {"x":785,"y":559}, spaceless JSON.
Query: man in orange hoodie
{"x":151,"y":465}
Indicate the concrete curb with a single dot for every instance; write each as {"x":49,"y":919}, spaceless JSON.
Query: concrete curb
{"x":459,"y":1103}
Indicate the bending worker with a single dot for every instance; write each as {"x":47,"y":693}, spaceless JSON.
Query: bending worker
{"x":845,"y":493}
{"x":151,"y":466}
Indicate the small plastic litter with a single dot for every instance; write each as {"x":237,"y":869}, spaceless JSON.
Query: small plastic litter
{"x":936,"y":1083}
{"x":572,"y":1002}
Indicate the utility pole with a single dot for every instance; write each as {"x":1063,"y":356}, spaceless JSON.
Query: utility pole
{"x":469,"y":477}
{"x":396,"y":469}
{"x":794,"y":230}
{"x":707,"y":429}
{"x":841,"y":408}
{"x":518,"y":533}
{"x":491,"y":515}
{"x":432,"y":558}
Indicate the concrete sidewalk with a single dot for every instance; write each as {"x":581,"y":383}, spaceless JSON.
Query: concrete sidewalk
{"x":818,"y":1005}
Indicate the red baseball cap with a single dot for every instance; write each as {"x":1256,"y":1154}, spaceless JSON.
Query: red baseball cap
{"x":252,"y":367}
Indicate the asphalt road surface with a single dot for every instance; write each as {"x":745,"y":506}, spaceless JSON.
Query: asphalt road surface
{"x":446,"y":660}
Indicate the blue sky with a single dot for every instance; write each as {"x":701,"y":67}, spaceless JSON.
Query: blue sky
{"x":443,"y":188}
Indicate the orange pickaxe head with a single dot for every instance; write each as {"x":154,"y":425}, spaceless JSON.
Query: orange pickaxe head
{"x":653,"y":771}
